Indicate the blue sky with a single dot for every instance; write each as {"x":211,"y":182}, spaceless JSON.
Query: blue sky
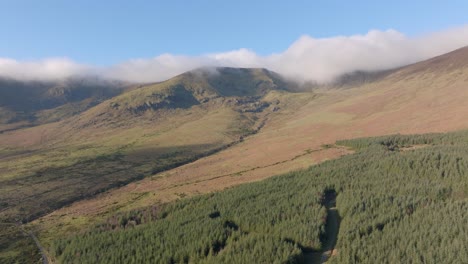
{"x":108,"y":32}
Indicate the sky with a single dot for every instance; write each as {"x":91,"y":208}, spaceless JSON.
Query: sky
{"x":153,"y":40}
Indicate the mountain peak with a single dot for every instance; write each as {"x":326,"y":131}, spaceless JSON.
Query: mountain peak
{"x":229,"y":81}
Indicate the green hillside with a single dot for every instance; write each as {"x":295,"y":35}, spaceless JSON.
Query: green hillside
{"x":400,"y":199}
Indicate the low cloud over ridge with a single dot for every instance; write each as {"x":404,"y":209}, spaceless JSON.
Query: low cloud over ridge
{"x":307,"y":58}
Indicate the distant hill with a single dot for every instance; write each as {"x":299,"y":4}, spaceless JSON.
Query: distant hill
{"x":47,"y":101}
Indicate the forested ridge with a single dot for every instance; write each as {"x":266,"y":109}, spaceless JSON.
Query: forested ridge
{"x":397,"y":204}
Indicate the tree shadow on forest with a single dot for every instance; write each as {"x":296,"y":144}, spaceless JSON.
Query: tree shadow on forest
{"x":332,"y":228}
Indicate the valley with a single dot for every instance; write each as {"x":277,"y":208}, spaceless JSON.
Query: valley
{"x":190,"y":141}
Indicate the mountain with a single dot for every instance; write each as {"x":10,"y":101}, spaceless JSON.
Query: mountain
{"x":206,"y":130}
{"x":240,"y":89}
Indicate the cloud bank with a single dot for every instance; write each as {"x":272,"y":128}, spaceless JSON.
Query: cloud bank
{"x":307,"y":59}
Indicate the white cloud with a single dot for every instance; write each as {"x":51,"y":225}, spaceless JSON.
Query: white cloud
{"x":156,"y":69}
{"x":307,"y":58}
